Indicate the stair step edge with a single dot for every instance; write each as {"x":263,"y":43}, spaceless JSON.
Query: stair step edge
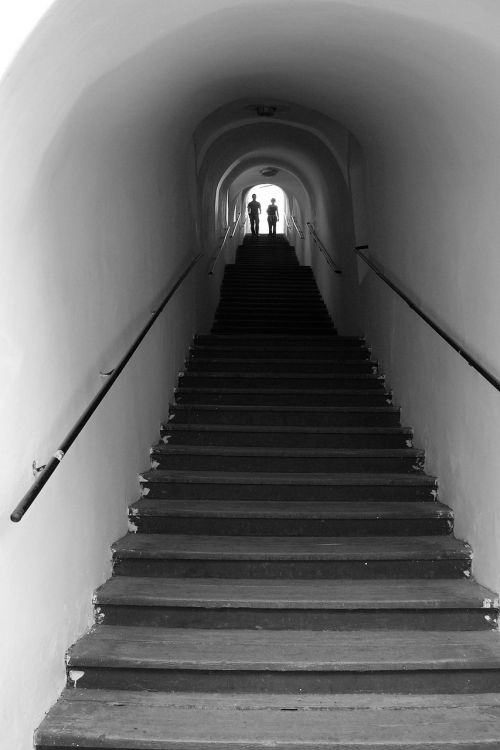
{"x":318,"y":478}
{"x":207,"y":450}
{"x":276,"y":593}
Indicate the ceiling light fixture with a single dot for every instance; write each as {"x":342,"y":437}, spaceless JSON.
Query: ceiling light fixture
{"x":267,"y":110}
{"x":269,"y":171}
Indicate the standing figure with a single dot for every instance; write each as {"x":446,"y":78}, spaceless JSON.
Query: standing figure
{"x":253,"y":213}
{"x":272,"y":216}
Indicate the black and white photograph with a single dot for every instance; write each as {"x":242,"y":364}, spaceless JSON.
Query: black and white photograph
{"x":250,"y":374}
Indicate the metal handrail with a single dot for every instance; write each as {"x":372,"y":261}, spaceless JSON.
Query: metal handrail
{"x":56,"y":459}
{"x":297,"y":228}
{"x":221,"y":245}
{"x":219,"y":250}
{"x":495,"y":382}
{"x":238,"y":219}
{"x":322,"y":248}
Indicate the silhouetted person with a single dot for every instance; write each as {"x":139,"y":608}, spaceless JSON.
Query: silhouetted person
{"x":272,"y":216}
{"x":253,"y":213}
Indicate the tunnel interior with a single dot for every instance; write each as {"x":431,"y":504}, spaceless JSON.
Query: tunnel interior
{"x":131,"y":135}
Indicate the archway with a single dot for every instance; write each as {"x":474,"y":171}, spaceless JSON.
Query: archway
{"x":264,"y":192}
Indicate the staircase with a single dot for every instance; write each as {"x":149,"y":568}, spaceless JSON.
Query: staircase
{"x":290,"y":580}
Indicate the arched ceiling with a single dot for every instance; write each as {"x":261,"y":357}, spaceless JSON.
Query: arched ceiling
{"x":306,"y":164}
{"x":372,"y":65}
{"x":286,"y":179}
{"x":413,"y":81}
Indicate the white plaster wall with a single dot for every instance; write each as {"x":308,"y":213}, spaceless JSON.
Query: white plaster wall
{"x":433,"y":178}
{"x":96,"y":220}
{"x":455,"y":414}
{"x":440,"y":243}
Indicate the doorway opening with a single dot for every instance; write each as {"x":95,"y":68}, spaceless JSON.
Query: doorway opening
{"x":264,"y":192}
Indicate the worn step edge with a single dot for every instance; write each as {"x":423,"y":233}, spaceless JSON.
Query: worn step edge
{"x":287,"y":650}
{"x":355,"y":376}
{"x":285,"y":594}
{"x":350,"y":479}
{"x":181,"y":546}
{"x":290,"y":341}
{"x":290,"y":391}
{"x":208,"y":450}
{"x":288,"y":338}
{"x":288,"y":429}
{"x":169,"y":721}
{"x":290,"y":509}
{"x":276,"y":360}
{"x":335,"y":353}
{"x":386,"y":409}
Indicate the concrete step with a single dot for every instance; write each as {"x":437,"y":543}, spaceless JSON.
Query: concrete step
{"x":134,"y":720}
{"x":283,"y":365}
{"x":266,"y":459}
{"x":293,"y":437}
{"x":288,"y":661}
{"x":225,"y":485}
{"x":272,"y":317}
{"x":280,"y":380}
{"x":324,"y":330}
{"x":292,"y":415}
{"x":295,"y":298}
{"x":211,"y":556}
{"x":289,"y":518}
{"x":320,"y":328}
{"x":302,"y":353}
{"x":301,"y":289}
{"x":269,"y":340}
{"x":283,"y":397}
{"x":283,"y":604}
{"x":281,"y":304}
{"x":270,"y":310}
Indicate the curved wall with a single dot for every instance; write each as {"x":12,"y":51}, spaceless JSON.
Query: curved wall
{"x":100,"y":208}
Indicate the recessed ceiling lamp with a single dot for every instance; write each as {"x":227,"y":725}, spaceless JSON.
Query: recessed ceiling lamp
{"x":267,"y":110}
{"x":269,"y":171}
{"x":263,"y":110}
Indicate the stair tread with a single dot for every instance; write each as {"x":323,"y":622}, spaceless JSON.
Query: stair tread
{"x":293,"y":594}
{"x":245,"y":362}
{"x":167,"y":721}
{"x":336,"y":339}
{"x":193,"y":427}
{"x":298,"y":391}
{"x":286,"y":650}
{"x":220,"y":450}
{"x":290,"y":509}
{"x":214,"y":547}
{"x":304,"y":350}
{"x":316,"y":478}
{"x":284,"y":375}
{"x":388,"y":409}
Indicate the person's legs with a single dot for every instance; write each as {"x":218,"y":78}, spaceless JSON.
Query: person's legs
{"x":256,"y":224}
{"x":270,"y":223}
